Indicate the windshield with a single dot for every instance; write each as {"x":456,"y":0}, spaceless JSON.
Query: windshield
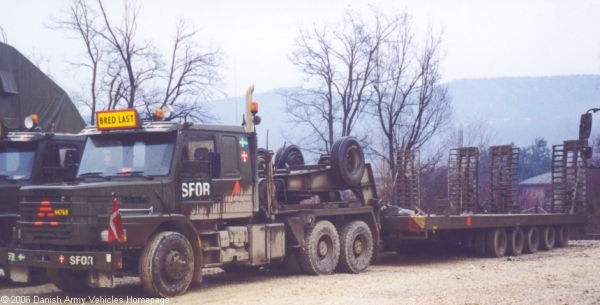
{"x":127,"y":154}
{"x":16,"y":160}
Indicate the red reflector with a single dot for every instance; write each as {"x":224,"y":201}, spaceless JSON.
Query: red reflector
{"x":45,"y":209}
{"x":54,"y":224}
{"x":45,"y":203}
{"x":40,"y":215}
{"x":38,"y":223}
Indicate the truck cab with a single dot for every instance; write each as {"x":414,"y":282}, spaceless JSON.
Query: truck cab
{"x":31,"y":158}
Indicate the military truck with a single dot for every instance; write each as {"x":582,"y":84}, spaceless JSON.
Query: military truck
{"x":30,"y":158}
{"x":194,"y":196}
{"x":35,"y":115}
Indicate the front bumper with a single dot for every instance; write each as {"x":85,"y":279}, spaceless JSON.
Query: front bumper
{"x":103,"y":261}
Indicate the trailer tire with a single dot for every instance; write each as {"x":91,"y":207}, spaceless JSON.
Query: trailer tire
{"x":356,"y":247}
{"x":515,"y":242}
{"x":563,"y":235}
{"x":321,"y":249}
{"x":479,"y":243}
{"x":67,"y":280}
{"x":548,"y":236}
{"x":290,"y":155}
{"x":166,"y":265}
{"x":347,"y":161}
{"x":532,"y":240}
{"x":495,"y":242}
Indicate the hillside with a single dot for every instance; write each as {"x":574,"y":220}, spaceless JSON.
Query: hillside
{"x":517,"y":109}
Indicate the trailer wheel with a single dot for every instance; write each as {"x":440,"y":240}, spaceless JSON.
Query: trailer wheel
{"x":515,"y":242}
{"x":562,"y":236}
{"x":166,"y":265}
{"x":532,"y":240}
{"x":479,"y":243}
{"x":548,"y":237}
{"x":290,"y":155}
{"x":356,"y":247}
{"x":322,"y":249}
{"x":67,"y":280}
{"x":495,"y":242}
{"x":347,"y":161}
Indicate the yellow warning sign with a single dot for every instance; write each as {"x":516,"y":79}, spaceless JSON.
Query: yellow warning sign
{"x":117,"y":119}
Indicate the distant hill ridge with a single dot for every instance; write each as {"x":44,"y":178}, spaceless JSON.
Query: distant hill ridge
{"x":517,"y":109}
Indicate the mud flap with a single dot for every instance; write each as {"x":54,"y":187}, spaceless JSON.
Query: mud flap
{"x":101,"y":279}
{"x":197,"y":278}
{"x":19,"y":274}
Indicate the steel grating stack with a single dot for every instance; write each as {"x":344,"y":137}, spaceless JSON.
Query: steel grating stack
{"x":462,"y":178}
{"x":569,"y":176}
{"x":406,"y":180}
{"x":503,"y":177}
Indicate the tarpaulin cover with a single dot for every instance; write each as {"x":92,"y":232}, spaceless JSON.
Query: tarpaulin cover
{"x":25,"y":90}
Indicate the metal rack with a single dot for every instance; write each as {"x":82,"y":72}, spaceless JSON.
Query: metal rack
{"x":503,"y":177}
{"x":406,"y":185}
{"x":463,"y":177}
{"x":569,"y":176}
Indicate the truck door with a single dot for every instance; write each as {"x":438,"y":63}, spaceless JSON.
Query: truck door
{"x":210,"y":192}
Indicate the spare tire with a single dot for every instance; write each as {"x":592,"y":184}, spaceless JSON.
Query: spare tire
{"x":290,"y":155}
{"x":347,"y":161}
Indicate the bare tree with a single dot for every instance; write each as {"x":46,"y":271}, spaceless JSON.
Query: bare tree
{"x":410,"y":103}
{"x":81,"y":20}
{"x":128,"y":72}
{"x":337,"y":62}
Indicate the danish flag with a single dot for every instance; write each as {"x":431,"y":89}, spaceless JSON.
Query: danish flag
{"x":115,"y":225}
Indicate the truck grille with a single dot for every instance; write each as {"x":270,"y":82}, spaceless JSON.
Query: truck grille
{"x":46,"y":220}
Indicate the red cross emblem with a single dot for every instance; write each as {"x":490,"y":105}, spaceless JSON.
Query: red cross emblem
{"x":61,"y":258}
{"x":244,"y":156}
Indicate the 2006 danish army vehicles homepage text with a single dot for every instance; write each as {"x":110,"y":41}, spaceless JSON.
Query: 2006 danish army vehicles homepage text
{"x":194,"y":196}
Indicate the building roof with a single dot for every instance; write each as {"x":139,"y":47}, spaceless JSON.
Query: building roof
{"x":543,"y":179}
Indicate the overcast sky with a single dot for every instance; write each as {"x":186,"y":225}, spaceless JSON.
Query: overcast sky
{"x":482,"y":38}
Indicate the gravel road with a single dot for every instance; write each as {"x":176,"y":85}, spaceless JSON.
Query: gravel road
{"x":560,"y":276}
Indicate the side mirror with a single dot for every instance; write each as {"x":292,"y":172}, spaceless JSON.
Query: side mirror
{"x":215,"y":164}
{"x":585,"y":126}
{"x":586,"y":152}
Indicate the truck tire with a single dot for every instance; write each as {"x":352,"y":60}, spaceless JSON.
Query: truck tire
{"x":532,"y":240}
{"x":166,"y":265}
{"x":321,"y":249}
{"x":515,"y":242}
{"x":356,"y":247}
{"x":290,"y":155}
{"x":347,"y":161}
{"x":563,"y":235}
{"x":547,"y":238}
{"x":479,"y":243}
{"x":67,"y":280}
{"x":495,"y":242}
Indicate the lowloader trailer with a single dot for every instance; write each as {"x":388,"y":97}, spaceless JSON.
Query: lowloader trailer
{"x":192,"y":196}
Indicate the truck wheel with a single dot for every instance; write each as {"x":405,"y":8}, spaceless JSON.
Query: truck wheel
{"x":532,"y":240}
{"x":290,"y":155}
{"x":347,"y":161}
{"x":515,"y":242}
{"x":479,"y":243}
{"x":322,"y":249}
{"x":68,"y":280}
{"x":166,"y":265}
{"x":548,"y":236}
{"x":562,"y":236}
{"x":495,"y":242}
{"x":291,"y":263}
{"x":356,"y":247}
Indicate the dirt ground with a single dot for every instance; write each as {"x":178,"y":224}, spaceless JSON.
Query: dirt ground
{"x":561,"y":276}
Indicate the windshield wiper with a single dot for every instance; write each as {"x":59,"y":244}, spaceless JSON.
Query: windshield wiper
{"x":97,"y":174}
{"x":7,"y":178}
{"x":132,"y":173}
